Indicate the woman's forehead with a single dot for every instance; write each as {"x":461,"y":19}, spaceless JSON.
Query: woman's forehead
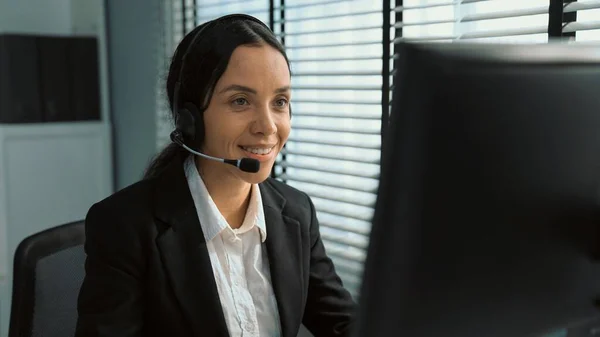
{"x":256,"y":64}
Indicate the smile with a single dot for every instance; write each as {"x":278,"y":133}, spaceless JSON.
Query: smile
{"x":258,"y":150}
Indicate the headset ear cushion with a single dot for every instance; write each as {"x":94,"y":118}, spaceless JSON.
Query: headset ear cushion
{"x":199,"y":122}
{"x":191,"y":107}
{"x":185,"y":122}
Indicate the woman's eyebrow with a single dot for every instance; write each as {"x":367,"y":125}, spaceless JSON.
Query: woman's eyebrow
{"x":283,"y":89}
{"x":237,"y":87}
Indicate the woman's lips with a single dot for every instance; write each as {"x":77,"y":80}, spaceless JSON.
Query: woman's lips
{"x":260,"y":157}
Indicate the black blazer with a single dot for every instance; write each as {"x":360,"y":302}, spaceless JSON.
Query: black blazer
{"x":148,"y":272}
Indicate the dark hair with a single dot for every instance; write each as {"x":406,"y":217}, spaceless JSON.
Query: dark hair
{"x":205,"y":64}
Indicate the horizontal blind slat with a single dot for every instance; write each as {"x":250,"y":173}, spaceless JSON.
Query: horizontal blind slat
{"x":330,"y":16}
{"x":342,"y":226}
{"x":349,"y":115}
{"x":328,"y":31}
{"x":328,"y":45}
{"x":480,"y":34}
{"x":340,"y":73}
{"x":311,"y":4}
{"x":433,"y":5}
{"x":421,"y":23}
{"x":254,"y":12}
{"x":363,"y":217}
{"x":337,"y":87}
{"x":338,"y":128}
{"x":505,"y":32}
{"x":286,"y":176}
{"x":338,"y":102}
{"x":479,"y":17}
{"x":339,"y":156}
{"x":579,"y":26}
{"x":342,"y":251}
{"x":424,"y":38}
{"x":345,"y":200}
{"x":222,"y":3}
{"x":340,"y":240}
{"x":341,"y":237}
{"x":333,"y":59}
{"x":338,"y":170}
{"x":334,"y":194}
{"x":505,"y":14}
{"x":581,"y":5}
{"x":342,"y":213}
{"x":334,"y":143}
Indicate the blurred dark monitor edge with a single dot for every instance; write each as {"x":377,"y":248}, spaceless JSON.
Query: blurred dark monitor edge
{"x":487,"y":219}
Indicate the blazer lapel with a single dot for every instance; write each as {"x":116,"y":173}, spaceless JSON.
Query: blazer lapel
{"x":285,"y":258}
{"x":185,"y":255}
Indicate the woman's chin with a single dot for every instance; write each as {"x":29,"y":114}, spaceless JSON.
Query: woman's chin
{"x":258,"y":177}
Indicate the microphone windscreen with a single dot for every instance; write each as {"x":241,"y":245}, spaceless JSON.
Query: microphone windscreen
{"x":249,"y":165}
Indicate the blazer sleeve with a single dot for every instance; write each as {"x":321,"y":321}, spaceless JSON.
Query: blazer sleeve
{"x":329,"y":309}
{"x":110,"y":298}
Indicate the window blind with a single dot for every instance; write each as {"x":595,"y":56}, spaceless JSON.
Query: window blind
{"x":586,"y":25}
{"x":207,"y":10}
{"x":335,"y":51}
{"x":474,"y":20}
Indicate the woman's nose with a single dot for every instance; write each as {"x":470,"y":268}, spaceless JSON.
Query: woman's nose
{"x":264,"y":122}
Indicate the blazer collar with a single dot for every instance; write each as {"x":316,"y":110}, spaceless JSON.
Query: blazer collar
{"x":185,"y":255}
{"x":284,"y":248}
{"x":211,"y":220}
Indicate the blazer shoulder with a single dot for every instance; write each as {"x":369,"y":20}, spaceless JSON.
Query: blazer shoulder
{"x":128,"y":204}
{"x":290,"y":193}
{"x":298,"y":204}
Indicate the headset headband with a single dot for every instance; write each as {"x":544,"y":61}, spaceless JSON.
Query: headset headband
{"x":193,"y":42}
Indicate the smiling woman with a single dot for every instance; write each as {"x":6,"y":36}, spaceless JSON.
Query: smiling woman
{"x":203,"y":248}
{"x":248,"y":116}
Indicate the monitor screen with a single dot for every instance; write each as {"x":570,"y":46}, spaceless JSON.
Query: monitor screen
{"x":488,"y":214}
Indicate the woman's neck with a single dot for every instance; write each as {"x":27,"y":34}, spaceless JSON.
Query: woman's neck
{"x":230,"y":194}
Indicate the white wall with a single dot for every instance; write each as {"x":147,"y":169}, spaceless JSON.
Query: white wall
{"x":55,"y":17}
{"x":133,"y":29}
{"x":35,"y":16}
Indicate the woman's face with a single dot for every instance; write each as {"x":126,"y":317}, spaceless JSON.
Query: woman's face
{"x":248,"y":114}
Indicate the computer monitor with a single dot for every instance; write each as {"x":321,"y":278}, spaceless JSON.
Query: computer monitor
{"x":487,"y":220}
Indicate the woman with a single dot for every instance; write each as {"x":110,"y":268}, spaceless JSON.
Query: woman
{"x":200,"y":247}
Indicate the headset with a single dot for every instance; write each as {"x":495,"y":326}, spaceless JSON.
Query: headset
{"x":185,"y":124}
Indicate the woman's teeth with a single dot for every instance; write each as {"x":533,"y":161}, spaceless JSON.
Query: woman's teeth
{"x":258,"y":150}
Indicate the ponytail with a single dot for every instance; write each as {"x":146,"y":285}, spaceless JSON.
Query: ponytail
{"x":171,"y":153}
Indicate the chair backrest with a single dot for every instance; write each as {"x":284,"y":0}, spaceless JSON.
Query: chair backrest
{"x":48,"y":272}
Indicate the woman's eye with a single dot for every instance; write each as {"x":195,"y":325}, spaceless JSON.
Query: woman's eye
{"x":240,"y":101}
{"x":281,"y":103}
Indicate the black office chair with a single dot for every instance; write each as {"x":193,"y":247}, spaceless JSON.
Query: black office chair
{"x":48,"y":272}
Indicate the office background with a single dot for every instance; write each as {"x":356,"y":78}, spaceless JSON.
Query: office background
{"x":342,"y":58}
